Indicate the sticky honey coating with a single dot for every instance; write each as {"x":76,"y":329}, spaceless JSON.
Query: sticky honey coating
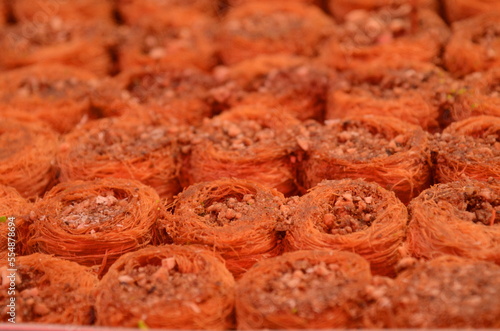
{"x":284,"y":149}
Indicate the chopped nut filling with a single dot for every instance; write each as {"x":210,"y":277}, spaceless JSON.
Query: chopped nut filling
{"x":350,"y":140}
{"x":303,"y":288}
{"x":92,"y":212}
{"x":472,"y":204}
{"x":241,"y":136}
{"x":469,"y":148}
{"x":227,"y":211}
{"x":120,"y":144}
{"x":158,"y":283}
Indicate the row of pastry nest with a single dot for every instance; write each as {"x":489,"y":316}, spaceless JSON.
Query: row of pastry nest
{"x":254,"y":144}
{"x":337,"y":257}
{"x":355,"y":76}
{"x":415,"y":92}
{"x":85,"y":33}
{"x":142,"y":132}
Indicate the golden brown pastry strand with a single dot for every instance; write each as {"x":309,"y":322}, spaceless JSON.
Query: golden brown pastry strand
{"x":474,"y":45}
{"x":350,"y":215}
{"x":94,"y":222}
{"x":380,"y":149}
{"x":468,"y":149}
{"x":237,"y":218}
{"x":458,"y":218}
{"x":173,"y":287}
{"x":50,"y":290}
{"x":122,"y":148}
{"x":247,"y":142}
{"x":27,"y":150}
{"x":305,"y":289}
